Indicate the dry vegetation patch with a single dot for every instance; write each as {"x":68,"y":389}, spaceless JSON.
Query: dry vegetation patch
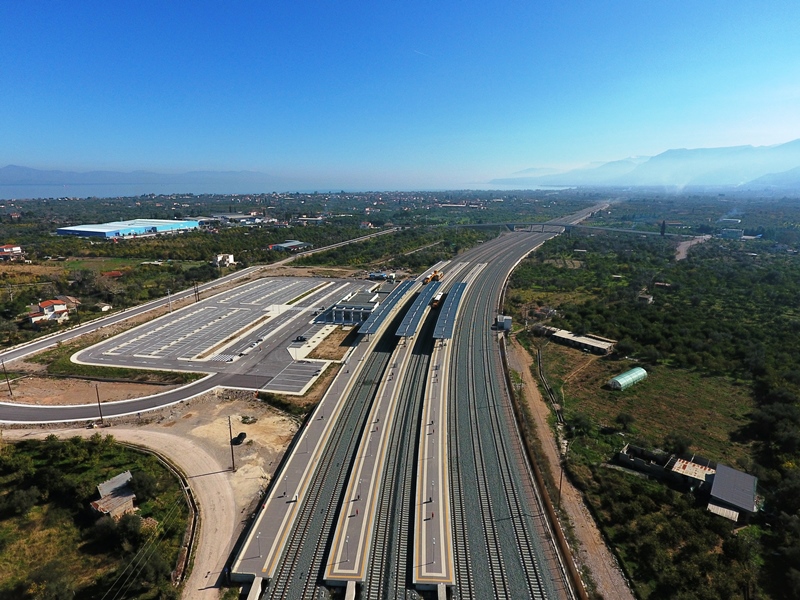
{"x":335,"y":345}
{"x":62,"y":391}
{"x":564,"y":263}
{"x":708,"y":410}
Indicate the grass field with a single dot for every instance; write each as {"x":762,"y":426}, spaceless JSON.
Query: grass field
{"x":99,"y":264}
{"x":707,"y":410}
{"x":55,"y":541}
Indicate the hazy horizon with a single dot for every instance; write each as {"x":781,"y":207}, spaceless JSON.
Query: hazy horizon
{"x":390,"y":96}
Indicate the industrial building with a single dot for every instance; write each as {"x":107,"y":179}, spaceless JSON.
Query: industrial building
{"x":291,"y":246}
{"x":627,"y":379}
{"x":132,"y":228}
{"x":733,"y":494}
{"x":589,"y":342}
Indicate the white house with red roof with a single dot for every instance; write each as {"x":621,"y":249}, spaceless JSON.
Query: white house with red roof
{"x":50,"y":310}
{"x":11,"y":252}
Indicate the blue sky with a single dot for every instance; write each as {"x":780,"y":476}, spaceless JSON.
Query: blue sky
{"x":390,"y":95}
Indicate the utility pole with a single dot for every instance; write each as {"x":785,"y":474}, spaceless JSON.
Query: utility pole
{"x":99,"y":409}
{"x":230,"y":443}
{"x":169,"y":300}
{"x":8,"y":383}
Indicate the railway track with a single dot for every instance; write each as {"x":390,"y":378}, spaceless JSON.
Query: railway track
{"x":497,"y":541}
{"x":301,"y":566}
{"x":494,"y":550}
{"x":388,"y":574}
{"x":491,"y":514}
{"x":493,"y":440}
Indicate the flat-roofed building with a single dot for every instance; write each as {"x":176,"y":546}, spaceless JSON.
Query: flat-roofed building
{"x":132,"y":228}
{"x":224,"y":260}
{"x":732,"y":234}
{"x":733,"y":492}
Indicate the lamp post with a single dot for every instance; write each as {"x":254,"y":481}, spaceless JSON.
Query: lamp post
{"x":8,"y":383}
{"x":99,"y":409}
{"x":230,"y":443}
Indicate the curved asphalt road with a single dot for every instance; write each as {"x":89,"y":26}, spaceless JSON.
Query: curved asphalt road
{"x":64,"y":336}
{"x":28,"y":413}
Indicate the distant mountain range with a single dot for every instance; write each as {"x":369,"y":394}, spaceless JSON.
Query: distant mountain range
{"x":15,"y":175}
{"x":756,"y":168}
{"x":748,"y":167}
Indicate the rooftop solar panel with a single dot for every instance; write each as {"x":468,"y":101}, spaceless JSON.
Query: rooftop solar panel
{"x":378,"y":316}
{"x":447,"y":315}
{"x":413,"y":317}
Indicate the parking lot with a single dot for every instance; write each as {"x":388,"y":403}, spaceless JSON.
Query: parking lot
{"x":259,"y":334}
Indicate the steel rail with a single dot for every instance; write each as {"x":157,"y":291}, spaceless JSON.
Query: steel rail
{"x":310,"y":537}
{"x":387,"y":576}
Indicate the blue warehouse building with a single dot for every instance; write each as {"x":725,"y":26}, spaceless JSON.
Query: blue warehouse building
{"x":131,"y":228}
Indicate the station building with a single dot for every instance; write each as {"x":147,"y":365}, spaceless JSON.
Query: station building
{"x":351,"y":311}
{"x":132,"y":228}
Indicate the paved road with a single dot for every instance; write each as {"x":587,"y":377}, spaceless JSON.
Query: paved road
{"x":17,"y":413}
{"x":51,"y":340}
{"x":211,"y":485}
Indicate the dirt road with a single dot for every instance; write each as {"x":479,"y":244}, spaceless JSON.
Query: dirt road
{"x":194,"y":435}
{"x":592,"y":552}
{"x":683,"y":248}
{"x":210,"y":483}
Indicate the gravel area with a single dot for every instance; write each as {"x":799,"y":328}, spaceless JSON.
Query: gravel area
{"x":194,"y":435}
{"x":592,"y":553}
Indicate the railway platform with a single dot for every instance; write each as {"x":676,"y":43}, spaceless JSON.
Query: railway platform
{"x":352,"y":541}
{"x":433,"y":537}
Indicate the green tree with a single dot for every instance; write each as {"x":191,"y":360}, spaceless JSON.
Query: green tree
{"x":625,"y":421}
{"x":144,"y":485}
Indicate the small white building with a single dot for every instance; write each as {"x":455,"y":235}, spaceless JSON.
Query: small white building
{"x":224,"y":260}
